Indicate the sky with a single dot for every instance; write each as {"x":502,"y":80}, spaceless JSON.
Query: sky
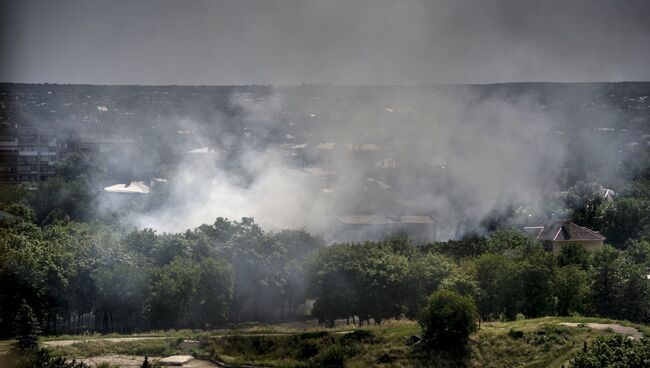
{"x":215,"y":42}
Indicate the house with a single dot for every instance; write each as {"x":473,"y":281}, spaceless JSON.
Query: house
{"x":563,"y":232}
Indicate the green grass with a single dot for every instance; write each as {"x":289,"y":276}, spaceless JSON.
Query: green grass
{"x":156,"y":333}
{"x":540,"y":342}
{"x":97,"y":348}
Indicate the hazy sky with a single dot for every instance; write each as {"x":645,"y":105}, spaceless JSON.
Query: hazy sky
{"x":323,"y":41}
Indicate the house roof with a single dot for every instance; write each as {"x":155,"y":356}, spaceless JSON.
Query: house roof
{"x":563,"y":230}
{"x":136,"y":187}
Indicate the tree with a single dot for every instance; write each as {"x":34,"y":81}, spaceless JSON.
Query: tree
{"x":26,"y":328}
{"x":447,"y":321}
{"x":573,"y":254}
{"x":500,"y":288}
{"x":214,"y":292}
{"x":172,"y":289}
{"x":504,"y":240}
{"x":625,"y":218}
{"x":571,"y":287}
{"x":425,"y":274}
{"x":607,"y":281}
{"x":145,"y":363}
{"x":536,"y":274}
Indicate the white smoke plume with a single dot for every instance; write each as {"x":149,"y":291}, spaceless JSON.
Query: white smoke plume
{"x":456,"y":156}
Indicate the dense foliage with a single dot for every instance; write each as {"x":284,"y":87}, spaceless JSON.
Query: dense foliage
{"x":614,"y":351}
{"x":89,"y":276}
{"x":512,"y":275}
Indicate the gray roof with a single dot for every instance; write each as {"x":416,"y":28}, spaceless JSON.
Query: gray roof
{"x":563,"y":230}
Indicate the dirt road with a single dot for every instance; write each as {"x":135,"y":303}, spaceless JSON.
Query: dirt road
{"x":629,"y":331}
{"x":109,"y":339}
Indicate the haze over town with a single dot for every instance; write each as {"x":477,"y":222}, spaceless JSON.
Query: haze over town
{"x":446,"y":183}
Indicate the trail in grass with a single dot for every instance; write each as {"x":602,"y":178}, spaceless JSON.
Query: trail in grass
{"x":625,"y":330}
{"x":55,"y":343}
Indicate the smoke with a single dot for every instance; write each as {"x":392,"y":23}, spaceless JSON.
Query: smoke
{"x":311,"y":41}
{"x":454,"y":155}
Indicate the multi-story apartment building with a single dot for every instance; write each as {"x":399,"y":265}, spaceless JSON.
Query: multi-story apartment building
{"x":28,"y":154}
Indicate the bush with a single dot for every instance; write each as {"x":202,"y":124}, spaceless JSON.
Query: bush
{"x":333,"y":356}
{"x":447,"y":320}
{"x":359,"y":335}
{"x":41,"y":358}
{"x":520,"y":317}
{"x":614,"y":351}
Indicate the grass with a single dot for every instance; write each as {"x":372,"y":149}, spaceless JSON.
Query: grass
{"x":540,"y":342}
{"x":157,"y":333}
{"x":97,"y":348}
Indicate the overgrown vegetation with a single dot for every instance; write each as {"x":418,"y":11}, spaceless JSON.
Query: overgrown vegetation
{"x":532,"y":342}
{"x":614,"y":351}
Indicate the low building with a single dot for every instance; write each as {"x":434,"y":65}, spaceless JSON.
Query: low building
{"x":562,"y":232}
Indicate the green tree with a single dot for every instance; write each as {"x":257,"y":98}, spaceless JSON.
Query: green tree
{"x":425,"y":274}
{"x":447,"y":321}
{"x":607,"y":281}
{"x":537,"y":275}
{"x":214,"y":293}
{"x":26,"y":328}
{"x":172,"y":290}
{"x":625,"y":218}
{"x":571,"y":287}
{"x":573,"y":254}
{"x":500,"y":288}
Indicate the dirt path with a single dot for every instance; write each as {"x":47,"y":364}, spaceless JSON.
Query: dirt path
{"x":133,"y":361}
{"x":629,"y":331}
{"x":54,"y":343}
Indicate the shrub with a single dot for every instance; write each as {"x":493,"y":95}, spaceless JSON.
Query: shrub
{"x":359,"y":335}
{"x":313,"y":335}
{"x":41,"y":358}
{"x":334,"y":356}
{"x":520,"y":317}
{"x":614,"y":351}
{"x":447,"y":320}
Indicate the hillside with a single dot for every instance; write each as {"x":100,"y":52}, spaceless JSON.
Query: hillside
{"x":541,"y":342}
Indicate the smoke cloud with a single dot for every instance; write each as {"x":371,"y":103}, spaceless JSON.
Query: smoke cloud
{"x":454,"y":155}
